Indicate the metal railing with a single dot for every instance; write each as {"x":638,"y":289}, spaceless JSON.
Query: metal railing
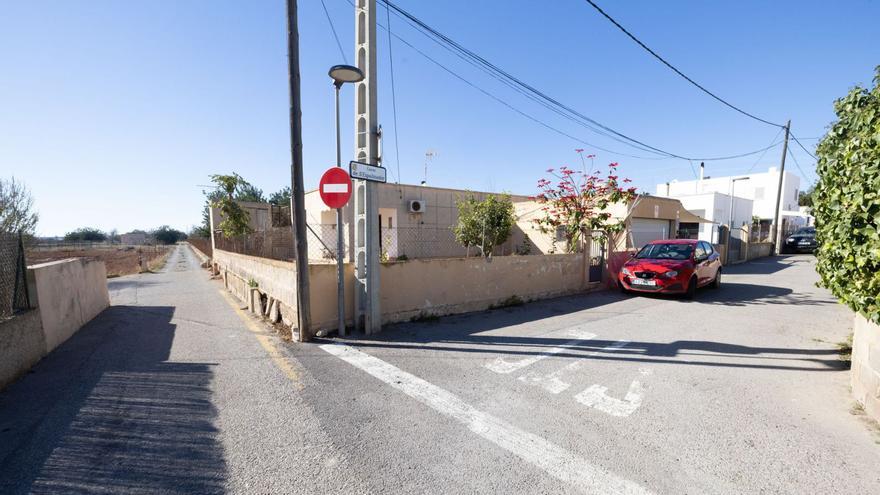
{"x":13,"y":275}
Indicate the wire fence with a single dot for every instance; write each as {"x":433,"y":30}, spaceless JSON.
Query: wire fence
{"x":13,"y":275}
{"x":395,"y":244}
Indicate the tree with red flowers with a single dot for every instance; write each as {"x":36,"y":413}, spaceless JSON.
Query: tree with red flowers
{"x":576,"y":202}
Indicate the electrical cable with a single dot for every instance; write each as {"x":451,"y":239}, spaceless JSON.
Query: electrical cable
{"x":393,"y":93}
{"x":333,"y":29}
{"x":674,"y":69}
{"x":473,"y":58}
{"x":762,"y":154}
{"x":803,"y":148}
{"x":798,"y":165}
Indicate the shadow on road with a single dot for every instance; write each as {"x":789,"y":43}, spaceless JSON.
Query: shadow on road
{"x":768,"y":265}
{"x":106,"y":413}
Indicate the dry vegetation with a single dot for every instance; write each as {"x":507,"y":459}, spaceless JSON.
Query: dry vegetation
{"x":118,"y":260}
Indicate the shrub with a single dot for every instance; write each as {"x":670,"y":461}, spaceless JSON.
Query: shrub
{"x":846,"y":202}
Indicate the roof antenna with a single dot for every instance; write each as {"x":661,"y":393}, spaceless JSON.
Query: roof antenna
{"x":429,"y":155}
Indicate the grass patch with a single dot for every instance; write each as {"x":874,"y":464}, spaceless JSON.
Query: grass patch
{"x":510,"y":302}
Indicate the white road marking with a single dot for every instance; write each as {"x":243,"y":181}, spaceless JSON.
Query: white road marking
{"x":553,"y":382}
{"x":335,"y":188}
{"x":595,"y":396}
{"x":556,"y":461}
{"x":503,"y":366}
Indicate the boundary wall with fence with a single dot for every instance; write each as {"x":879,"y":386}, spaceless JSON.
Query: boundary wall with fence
{"x":410,"y":289}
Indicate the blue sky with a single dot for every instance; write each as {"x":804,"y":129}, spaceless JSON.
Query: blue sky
{"x":115,"y":113}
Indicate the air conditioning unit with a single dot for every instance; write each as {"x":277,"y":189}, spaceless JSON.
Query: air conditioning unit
{"x":417,"y":206}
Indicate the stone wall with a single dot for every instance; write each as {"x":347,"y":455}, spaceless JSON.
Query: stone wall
{"x":759,"y":250}
{"x":865,"y":373}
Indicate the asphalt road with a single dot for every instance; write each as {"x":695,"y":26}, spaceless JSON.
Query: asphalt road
{"x":174,"y":390}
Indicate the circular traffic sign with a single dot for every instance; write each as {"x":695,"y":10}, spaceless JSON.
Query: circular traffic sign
{"x":335,"y":187}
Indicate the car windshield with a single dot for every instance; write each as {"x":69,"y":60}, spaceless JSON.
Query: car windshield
{"x":808,"y":230}
{"x":666,"y":252}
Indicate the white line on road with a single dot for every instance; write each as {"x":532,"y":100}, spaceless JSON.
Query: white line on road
{"x":554,"y":460}
{"x":502,"y":366}
{"x":596,"y":397}
{"x":553,"y":382}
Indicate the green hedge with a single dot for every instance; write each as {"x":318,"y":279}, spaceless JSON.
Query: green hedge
{"x":846,"y":202}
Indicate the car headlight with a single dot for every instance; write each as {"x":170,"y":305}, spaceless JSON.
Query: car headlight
{"x":626,"y":272}
{"x":790,"y":239}
{"x":671,"y":274}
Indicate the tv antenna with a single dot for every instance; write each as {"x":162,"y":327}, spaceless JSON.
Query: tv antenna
{"x":429,"y":156}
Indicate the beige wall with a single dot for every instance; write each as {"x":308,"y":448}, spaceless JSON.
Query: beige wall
{"x":865,"y":374}
{"x":459,"y":285}
{"x":22,"y":344}
{"x":69,"y":293}
{"x":429,"y":286}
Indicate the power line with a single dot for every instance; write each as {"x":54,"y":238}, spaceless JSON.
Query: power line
{"x":674,"y":69}
{"x":804,"y":148}
{"x":798,"y":165}
{"x":333,"y":29}
{"x":393,"y":93}
{"x":762,"y":154}
{"x":537,"y":95}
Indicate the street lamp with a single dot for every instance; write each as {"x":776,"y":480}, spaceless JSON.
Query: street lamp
{"x":341,"y":74}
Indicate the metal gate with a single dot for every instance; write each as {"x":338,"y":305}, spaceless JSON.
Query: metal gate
{"x":598,"y":244}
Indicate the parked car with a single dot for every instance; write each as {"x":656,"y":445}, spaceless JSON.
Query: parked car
{"x":672,"y":266}
{"x":803,"y":240}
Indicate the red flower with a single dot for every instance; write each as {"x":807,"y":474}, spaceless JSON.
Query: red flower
{"x":579,"y":150}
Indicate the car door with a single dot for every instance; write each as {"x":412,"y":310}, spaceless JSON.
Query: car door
{"x":714,"y":261}
{"x":701,"y":259}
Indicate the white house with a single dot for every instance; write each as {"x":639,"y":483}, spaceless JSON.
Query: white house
{"x":760,"y":188}
{"x":716,"y":207}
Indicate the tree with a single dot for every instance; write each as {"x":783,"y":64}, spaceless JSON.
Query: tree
{"x":17,"y":208}
{"x":235,"y":218}
{"x":805,"y":198}
{"x":243,"y":191}
{"x":576,"y":203}
{"x":281,"y":198}
{"x":85,"y":234}
{"x":484,"y":224}
{"x":846,"y":202}
{"x":167,"y":235}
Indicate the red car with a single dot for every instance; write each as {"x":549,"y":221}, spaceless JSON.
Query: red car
{"x":672,"y":266}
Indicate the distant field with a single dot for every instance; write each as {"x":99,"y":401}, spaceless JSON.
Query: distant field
{"x":119,"y":260}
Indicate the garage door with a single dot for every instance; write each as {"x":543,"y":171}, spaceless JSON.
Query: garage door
{"x":645,"y":230}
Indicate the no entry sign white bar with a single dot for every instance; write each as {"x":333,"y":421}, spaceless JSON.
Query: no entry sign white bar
{"x":335,"y":188}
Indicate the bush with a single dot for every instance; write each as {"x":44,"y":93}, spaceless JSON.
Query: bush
{"x":846,"y":202}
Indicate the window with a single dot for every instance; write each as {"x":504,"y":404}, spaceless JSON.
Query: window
{"x":666,"y":252}
{"x":707,"y":248}
{"x":701,"y":250}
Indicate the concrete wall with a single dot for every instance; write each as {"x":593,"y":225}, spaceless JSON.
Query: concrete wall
{"x":865,"y":374}
{"x":22,"y":344}
{"x":273,"y":277}
{"x":69,"y":293}
{"x":429,"y":286}
{"x":760,"y":249}
{"x":459,"y":285}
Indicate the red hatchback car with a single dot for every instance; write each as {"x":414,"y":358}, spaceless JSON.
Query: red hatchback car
{"x":672,"y":266}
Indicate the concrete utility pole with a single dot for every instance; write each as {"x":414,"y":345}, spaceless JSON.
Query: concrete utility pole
{"x":297,"y":199}
{"x":368,"y":316}
{"x":777,"y":230}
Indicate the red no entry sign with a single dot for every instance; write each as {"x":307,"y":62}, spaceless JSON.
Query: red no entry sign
{"x":335,"y":187}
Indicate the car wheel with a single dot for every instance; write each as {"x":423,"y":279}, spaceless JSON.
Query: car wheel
{"x":716,"y":284}
{"x":691,"y":289}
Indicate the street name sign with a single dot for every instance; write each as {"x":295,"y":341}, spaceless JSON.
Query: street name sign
{"x":335,"y":187}
{"x":365,"y":171}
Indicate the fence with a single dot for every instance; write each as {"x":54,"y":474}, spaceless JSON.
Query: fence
{"x":398,"y":243}
{"x":13,"y":275}
{"x":202,"y":244}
